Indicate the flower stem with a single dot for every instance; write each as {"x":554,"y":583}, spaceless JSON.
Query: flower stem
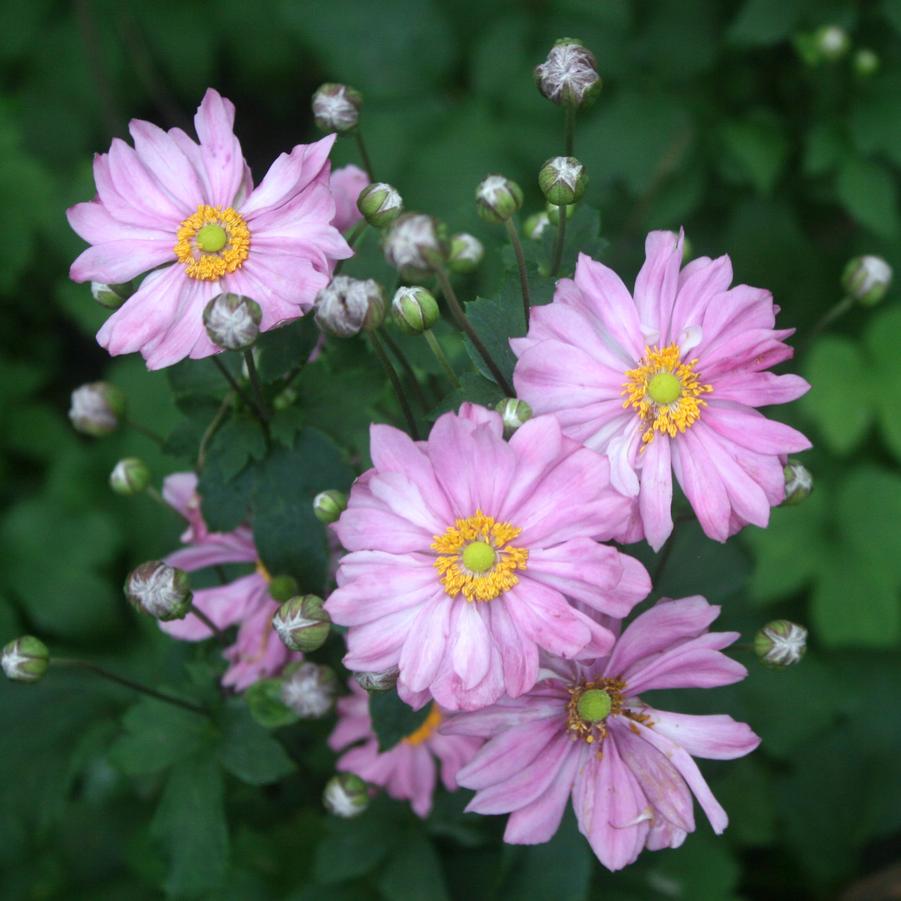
{"x":521,"y":265}
{"x":364,"y":156}
{"x":441,"y":357}
{"x":839,"y":310}
{"x":146,"y":432}
{"x":152,"y":493}
{"x":257,"y":388}
{"x":395,"y":383}
{"x":220,"y":635}
{"x":464,"y":324}
{"x":394,"y":347}
{"x":231,"y":381}
{"x":211,"y":430}
{"x":128,"y":683}
{"x":561,"y":240}
{"x":569,"y":130}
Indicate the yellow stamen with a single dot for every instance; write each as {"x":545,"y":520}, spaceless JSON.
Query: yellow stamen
{"x":665,"y":392}
{"x":429,"y":725}
{"x":488,"y":579}
{"x":196,"y":251}
{"x":582,"y":725}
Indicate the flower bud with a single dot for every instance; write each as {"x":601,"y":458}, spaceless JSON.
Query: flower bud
{"x":867,"y":279}
{"x":25,"y":659}
{"x":498,"y":198}
{"x":347,"y":306}
{"x":309,"y":690}
{"x":413,"y":245}
{"x":380,"y":204}
{"x":514,"y":412}
{"x":381,"y":681}
{"x":831,"y":42}
{"x":780,"y":644}
{"x":569,"y":75}
{"x":535,"y":225}
{"x":302,"y":623}
{"x":232,"y":321}
{"x":329,"y":505}
{"x":466,"y":252}
{"x":282,"y":588}
{"x":346,"y":795}
{"x":562,"y":180}
{"x":159,"y":590}
{"x":129,"y":476}
{"x":866,"y":63}
{"x":336,"y":107}
{"x":111,"y":296}
{"x":414,"y":310}
{"x":97,"y":408}
{"x":553,"y":212}
{"x":798,"y":483}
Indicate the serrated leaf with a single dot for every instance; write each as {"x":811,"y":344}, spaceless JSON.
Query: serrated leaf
{"x":393,"y":719}
{"x":224,"y":502}
{"x":495,"y":320}
{"x":237,"y":442}
{"x":473,"y":388}
{"x":247,"y":750}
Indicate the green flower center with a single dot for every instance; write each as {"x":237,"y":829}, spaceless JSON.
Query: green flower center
{"x":593,"y":705}
{"x":479,"y":556}
{"x":664,"y":388}
{"x":211,"y":238}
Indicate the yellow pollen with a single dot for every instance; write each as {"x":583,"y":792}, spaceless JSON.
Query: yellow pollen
{"x":429,"y":725}
{"x":583,"y":727}
{"x":483,"y":583}
{"x":676,"y":387}
{"x":212,"y":242}
{"x":261,"y":569}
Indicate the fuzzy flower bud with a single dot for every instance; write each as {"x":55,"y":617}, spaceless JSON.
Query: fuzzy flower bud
{"x":798,"y":483}
{"x":381,"y":681}
{"x":25,"y":659}
{"x":380,"y":204}
{"x":329,"y":505}
{"x":232,"y":321}
{"x":130,"y":475}
{"x":302,"y":623}
{"x":780,"y":644}
{"x":514,"y":412}
{"x":535,"y":225}
{"x":498,"y":198}
{"x":569,"y":75}
{"x":336,"y":107}
{"x":466,"y":252}
{"x":97,"y":408}
{"x":831,"y":42}
{"x":414,"y":310}
{"x":562,"y":180}
{"x":159,"y":590}
{"x":346,"y":795}
{"x":347,"y":306}
{"x":111,"y":296}
{"x":309,"y":690}
{"x":866,"y":63}
{"x":413,"y":245}
{"x":867,"y":279}
{"x":282,"y":588}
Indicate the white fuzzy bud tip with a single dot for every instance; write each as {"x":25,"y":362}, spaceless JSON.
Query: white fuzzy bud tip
{"x":569,"y":75}
{"x":336,"y":107}
{"x":310,"y":690}
{"x":232,"y":321}
{"x":780,"y":643}
{"x":867,"y":279}
{"x":159,"y":590}
{"x":347,"y":306}
{"x":25,"y":659}
{"x":346,"y":795}
{"x":97,"y":408}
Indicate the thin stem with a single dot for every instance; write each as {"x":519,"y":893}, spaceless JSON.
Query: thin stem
{"x":464,"y":324}
{"x":569,"y":130}
{"x":395,"y":348}
{"x":211,"y":430}
{"x":152,"y":493}
{"x":839,"y":310}
{"x":395,"y":383}
{"x":257,"y":386}
{"x":441,"y":357}
{"x":361,"y":146}
{"x":208,"y":623}
{"x":352,"y":239}
{"x":128,"y":683}
{"x":521,"y":264}
{"x":561,"y":240}
{"x":146,"y":432}
{"x":232,"y":381}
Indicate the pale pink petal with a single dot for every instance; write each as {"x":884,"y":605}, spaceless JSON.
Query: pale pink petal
{"x":752,"y":430}
{"x":162,"y":156}
{"x":658,"y":281}
{"x":424,"y":646}
{"x":700,"y":284}
{"x":120,"y":261}
{"x":220,"y":149}
{"x":346,"y":184}
{"x":702,"y":485}
{"x":656,"y":493}
{"x":716,"y":737}
{"x":544,"y":617}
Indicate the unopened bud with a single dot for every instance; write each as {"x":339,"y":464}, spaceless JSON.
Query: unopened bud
{"x":336,"y":107}
{"x":831,"y":42}
{"x":413,"y":245}
{"x":569,"y":75}
{"x":159,"y":590}
{"x":498,"y":198}
{"x":867,"y":279}
{"x":282,"y":588}
{"x":302,"y":623}
{"x":329,"y":505}
{"x":466,"y":252}
{"x":309,"y":689}
{"x":562,"y":180}
{"x":346,"y":795}
{"x":535,"y":225}
{"x":232,"y":321}
{"x":97,"y":408}
{"x":111,"y":296}
{"x":25,"y":659}
{"x":780,"y":644}
{"x":129,"y":476}
{"x":414,"y":310}
{"x":380,"y":204}
{"x":798,"y":483}
{"x":553,"y":212}
{"x":380,"y":681}
{"x":347,"y":306}
{"x":514,"y":412}
{"x":866,"y":63}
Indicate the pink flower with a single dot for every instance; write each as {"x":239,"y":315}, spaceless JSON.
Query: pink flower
{"x":257,"y":652}
{"x":469,"y":553}
{"x":346,"y":184}
{"x":666,"y":379}
{"x":190,"y":213}
{"x":584,"y":733}
{"x":408,"y":770}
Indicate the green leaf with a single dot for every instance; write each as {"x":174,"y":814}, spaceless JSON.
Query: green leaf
{"x":413,"y":871}
{"x":393,"y":719}
{"x":868,"y":192}
{"x":237,"y":442}
{"x":247,"y":750}
{"x":881,"y":339}
{"x":200,"y":380}
{"x":224,"y":502}
{"x":496,"y":320}
{"x":765,"y":21}
{"x":283,"y":349}
{"x":757,"y":149}
{"x":825,"y":148}
{"x":473,"y":388}
{"x":352,"y":848}
{"x":264,"y":700}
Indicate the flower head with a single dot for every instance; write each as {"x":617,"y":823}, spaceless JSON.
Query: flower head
{"x":666,"y":379}
{"x":468,"y":553}
{"x":188,"y":211}
{"x":569,"y":75}
{"x":583,"y":733}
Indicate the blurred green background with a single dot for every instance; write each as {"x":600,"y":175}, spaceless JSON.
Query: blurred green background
{"x":711,"y":119}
